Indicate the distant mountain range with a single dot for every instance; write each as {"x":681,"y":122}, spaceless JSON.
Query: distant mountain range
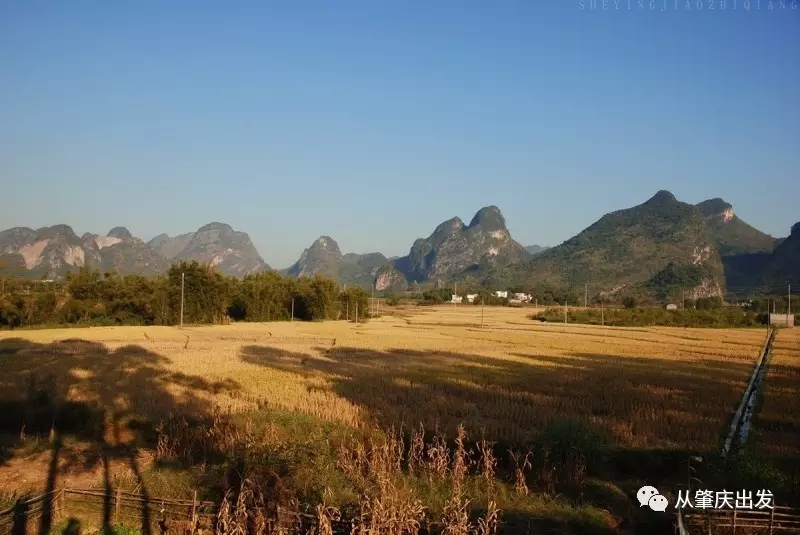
{"x":536,"y":249}
{"x":51,"y":252}
{"x":325,"y":258}
{"x":454,"y":248}
{"x":659,"y":247}
{"x":217,"y":244}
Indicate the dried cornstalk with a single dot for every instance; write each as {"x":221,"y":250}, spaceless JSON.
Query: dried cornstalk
{"x":456,"y":516}
{"x":326,"y":516}
{"x":459,"y":459}
{"x":546,"y":475}
{"x":488,"y":464}
{"x":438,"y":458}
{"x":520,"y":480}
{"x":416,"y":451}
{"x":487,"y":525}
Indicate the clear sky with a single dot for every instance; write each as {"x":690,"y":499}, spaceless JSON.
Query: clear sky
{"x":373,"y":121}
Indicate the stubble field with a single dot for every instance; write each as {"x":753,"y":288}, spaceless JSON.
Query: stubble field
{"x":645,"y":387}
{"x":506,"y":378}
{"x":777,"y":426}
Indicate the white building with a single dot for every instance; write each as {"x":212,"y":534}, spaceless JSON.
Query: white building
{"x":456,"y":299}
{"x":523,"y":298}
{"x":672,"y":307}
{"x":501,"y":293}
{"x":786,"y":320}
{"x":471,"y":298}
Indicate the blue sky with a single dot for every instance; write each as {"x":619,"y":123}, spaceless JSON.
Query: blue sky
{"x":374,"y":121}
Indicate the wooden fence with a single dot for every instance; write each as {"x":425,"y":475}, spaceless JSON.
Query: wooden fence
{"x":149,"y":515}
{"x":776,"y":521}
{"x":113,"y":507}
{"x":26,"y":515}
{"x":155,"y":515}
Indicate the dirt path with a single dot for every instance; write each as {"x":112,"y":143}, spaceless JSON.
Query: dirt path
{"x":79,"y":466}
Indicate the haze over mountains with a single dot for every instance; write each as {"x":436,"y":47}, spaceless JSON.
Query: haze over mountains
{"x":659,"y":247}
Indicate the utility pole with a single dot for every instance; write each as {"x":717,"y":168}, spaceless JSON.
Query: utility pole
{"x":356,"y":312}
{"x":183,"y":278}
{"x":292,"y":308}
{"x":602,"y":315}
{"x":455,"y":293}
{"x":565,"y":312}
{"x":789,"y":306}
{"x":586,"y":295}
{"x":372,"y":302}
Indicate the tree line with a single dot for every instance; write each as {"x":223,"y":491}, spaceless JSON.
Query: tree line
{"x":88,"y":297}
{"x":643,"y":317}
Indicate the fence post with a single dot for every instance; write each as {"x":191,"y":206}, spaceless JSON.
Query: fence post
{"x":60,"y":504}
{"x":116,"y":508}
{"x":734,"y":521}
{"x":771,"y":519}
{"x":194,"y":513}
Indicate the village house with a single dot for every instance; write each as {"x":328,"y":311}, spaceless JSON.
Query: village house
{"x":501,"y":294}
{"x":521,"y":297}
{"x":456,"y":299}
{"x":786,"y":320}
{"x":471,"y":298}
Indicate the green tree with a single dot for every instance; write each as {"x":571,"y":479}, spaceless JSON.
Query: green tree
{"x":352,"y":299}
{"x":9,"y":313}
{"x":206,"y":292}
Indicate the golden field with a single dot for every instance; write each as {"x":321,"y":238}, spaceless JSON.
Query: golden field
{"x":646,"y":388}
{"x":777,"y":426}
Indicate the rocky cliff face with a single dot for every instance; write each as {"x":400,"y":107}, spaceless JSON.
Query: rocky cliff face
{"x":388,"y":278}
{"x":324,"y":257}
{"x":230,"y":251}
{"x":125,"y":254}
{"x":730,"y":234}
{"x":51,"y":252}
{"x":783,"y":266}
{"x":453,"y":247}
{"x":47,"y":252}
{"x":169,"y":247}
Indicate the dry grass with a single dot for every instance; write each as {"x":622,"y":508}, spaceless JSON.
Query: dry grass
{"x":777,"y":427}
{"x":645,"y":387}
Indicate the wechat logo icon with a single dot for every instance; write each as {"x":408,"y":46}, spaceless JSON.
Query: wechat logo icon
{"x":650,"y":496}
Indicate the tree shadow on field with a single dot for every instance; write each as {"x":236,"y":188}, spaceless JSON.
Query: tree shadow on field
{"x":109,"y":401}
{"x":652,"y":412}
